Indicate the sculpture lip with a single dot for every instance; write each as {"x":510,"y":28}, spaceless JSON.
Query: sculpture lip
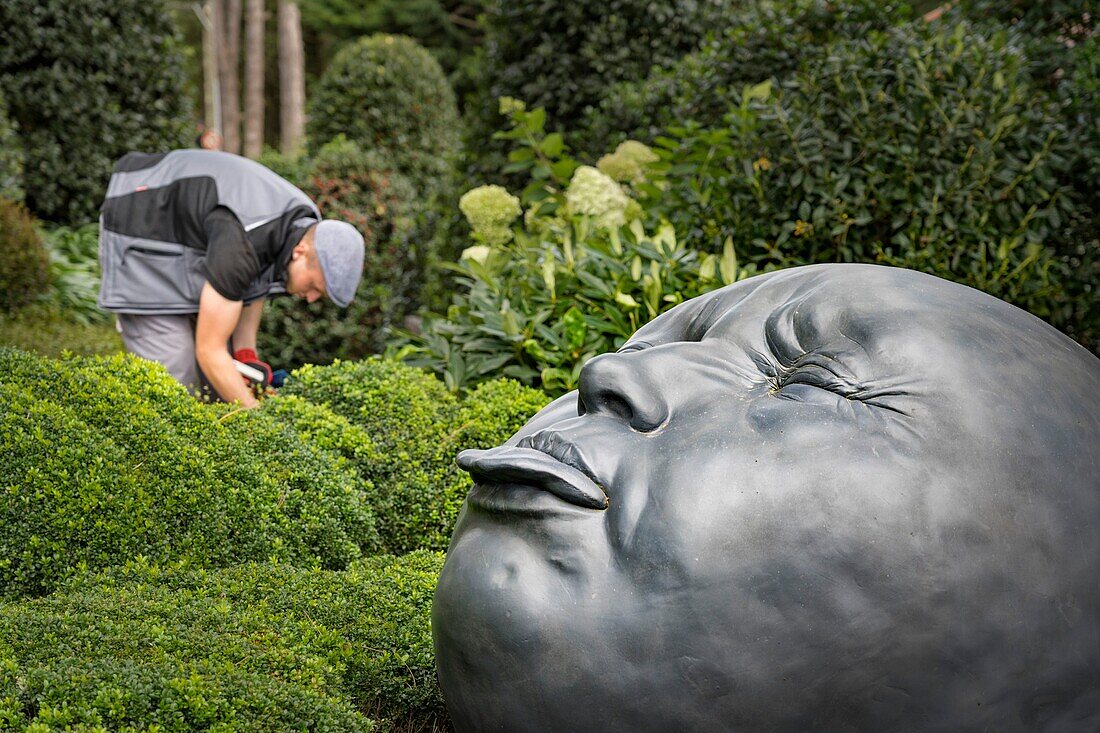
{"x":522,"y":464}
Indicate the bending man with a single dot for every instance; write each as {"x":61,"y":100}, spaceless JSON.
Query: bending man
{"x":193,"y":241}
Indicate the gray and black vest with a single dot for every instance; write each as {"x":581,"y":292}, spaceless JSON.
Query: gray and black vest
{"x":152,"y":243}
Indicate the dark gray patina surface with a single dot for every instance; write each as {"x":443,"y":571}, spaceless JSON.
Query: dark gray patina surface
{"x":839,"y":497}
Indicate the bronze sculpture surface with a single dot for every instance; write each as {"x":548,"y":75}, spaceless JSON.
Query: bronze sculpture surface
{"x":837,"y":497}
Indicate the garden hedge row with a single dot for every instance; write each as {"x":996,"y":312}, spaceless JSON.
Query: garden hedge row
{"x":257,"y":647}
{"x":402,"y":432}
{"x":106,"y":459}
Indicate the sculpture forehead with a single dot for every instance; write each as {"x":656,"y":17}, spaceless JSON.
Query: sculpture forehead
{"x":822,"y":297}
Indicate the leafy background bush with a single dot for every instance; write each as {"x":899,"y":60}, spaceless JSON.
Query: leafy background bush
{"x":754,"y":43}
{"x":926,"y":147}
{"x":264,"y":647}
{"x":536,"y":299}
{"x":74,"y":272}
{"x":51,"y":331}
{"x":565,"y":56}
{"x":24,"y":263}
{"x":88,"y":82}
{"x":388,"y":94}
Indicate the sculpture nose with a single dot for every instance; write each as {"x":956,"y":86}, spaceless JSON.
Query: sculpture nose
{"x":624,"y":386}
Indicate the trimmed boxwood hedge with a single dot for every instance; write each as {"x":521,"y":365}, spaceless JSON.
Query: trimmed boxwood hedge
{"x":412,"y":428}
{"x":258,"y":647}
{"x":106,"y":459}
{"x":388,"y":94}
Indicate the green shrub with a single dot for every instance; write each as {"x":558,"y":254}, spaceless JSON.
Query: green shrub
{"x":759,"y":41}
{"x":256,"y":647}
{"x":563,"y":55}
{"x":925,"y":147}
{"x":24,"y":263}
{"x":363,"y":189}
{"x":11,"y":157}
{"x":106,"y":459}
{"x":537,"y":298}
{"x":387,"y":94}
{"x":405,"y":430}
{"x":1050,"y":30}
{"x":74,"y":272}
{"x":447,"y":28}
{"x":88,"y":82}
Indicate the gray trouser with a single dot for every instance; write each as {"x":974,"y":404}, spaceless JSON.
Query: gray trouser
{"x":168,"y":340}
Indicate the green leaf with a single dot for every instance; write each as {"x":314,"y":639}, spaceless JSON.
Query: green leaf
{"x":574,"y":329}
{"x":626,"y":300}
{"x":536,"y":119}
{"x":727,"y":266}
{"x":552,"y":145}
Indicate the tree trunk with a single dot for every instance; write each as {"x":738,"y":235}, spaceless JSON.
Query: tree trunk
{"x":292,"y":84}
{"x":211,"y":50}
{"x":229,"y":69}
{"x":254,"y":79}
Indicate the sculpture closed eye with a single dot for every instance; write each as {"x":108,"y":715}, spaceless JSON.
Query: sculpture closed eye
{"x":826,"y":500}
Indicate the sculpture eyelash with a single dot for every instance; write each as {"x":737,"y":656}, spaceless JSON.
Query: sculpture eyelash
{"x":633,"y":346}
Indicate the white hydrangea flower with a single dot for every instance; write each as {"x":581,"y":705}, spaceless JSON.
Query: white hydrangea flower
{"x":595,"y":194}
{"x":627,"y":163}
{"x":490,"y":211}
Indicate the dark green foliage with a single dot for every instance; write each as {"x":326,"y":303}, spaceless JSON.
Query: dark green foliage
{"x":760,"y":41}
{"x":563,"y":55}
{"x":11,"y":157}
{"x":1050,"y":30}
{"x":257,"y":647}
{"x":387,"y":94}
{"x":447,"y":28}
{"x":412,"y":429}
{"x":926,"y":147}
{"x":103,"y":460}
{"x":363,"y":189}
{"x":88,"y":82}
{"x":24,"y":263}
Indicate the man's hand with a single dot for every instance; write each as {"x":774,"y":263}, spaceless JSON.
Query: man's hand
{"x":218,"y":317}
{"x":249,"y":357}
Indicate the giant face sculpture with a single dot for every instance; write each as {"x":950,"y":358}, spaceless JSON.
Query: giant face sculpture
{"x":839,"y":497}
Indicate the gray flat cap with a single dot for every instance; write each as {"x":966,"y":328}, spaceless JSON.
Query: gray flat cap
{"x":339,"y":248}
